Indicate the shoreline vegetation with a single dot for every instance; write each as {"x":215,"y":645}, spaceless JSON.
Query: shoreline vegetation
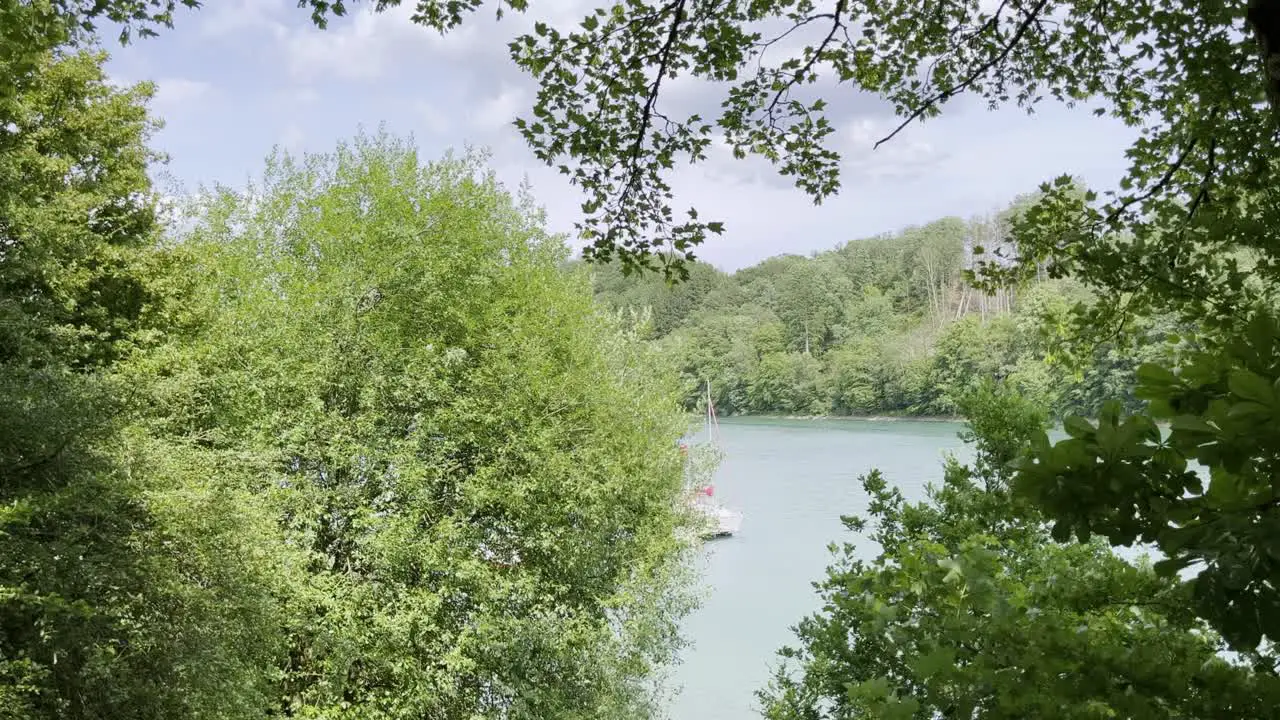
{"x":849,"y":418}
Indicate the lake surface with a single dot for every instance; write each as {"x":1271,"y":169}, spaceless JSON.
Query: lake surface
{"x":792,"y":479}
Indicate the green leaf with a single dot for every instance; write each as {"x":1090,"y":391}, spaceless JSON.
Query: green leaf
{"x":953,"y":568}
{"x":1251,"y":386}
{"x":1192,"y":424}
{"x":1170,"y":567}
{"x":1077,"y":427}
{"x":934,"y":662}
{"x":1160,"y":408}
{"x":1158,"y":375}
{"x":1061,"y":531}
{"x":1170,"y":458}
{"x":1250,"y":411}
{"x":1241,"y":627}
{"x":899,"y":708}
{"x":1225,"y":488}
{"x":1261,"y":333}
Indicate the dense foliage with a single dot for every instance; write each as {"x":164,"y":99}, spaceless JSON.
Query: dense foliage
{"x":970,"y":610}
{"x":476,"y":470}
{"x":348,"y":443}
{"x":125,"y":590}
{"x":1132,"y":482}
{"x":881,"y":325}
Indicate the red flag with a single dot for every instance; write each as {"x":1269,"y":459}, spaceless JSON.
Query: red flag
{"x":708,"y":490}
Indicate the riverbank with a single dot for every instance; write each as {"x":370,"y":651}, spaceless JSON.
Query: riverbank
{"x":852,"y":418}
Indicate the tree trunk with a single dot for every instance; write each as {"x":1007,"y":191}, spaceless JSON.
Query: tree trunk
{"x":1264,"y":17}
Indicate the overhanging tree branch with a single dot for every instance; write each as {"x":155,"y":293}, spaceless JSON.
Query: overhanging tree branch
{"x":975,"y":75}
{"x":665,"y":57}
{"x":803,"y":71}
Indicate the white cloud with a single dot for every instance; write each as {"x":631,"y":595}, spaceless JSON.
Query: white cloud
{"x":466,"y":40}
{"x":904,"y":156}
{"x":436,"y":120}
{"x":721,"y":167}
{"x":232,"y":17}
{"x":352,"y":51}
{"x":174,"y":94}
{"x":118,"y":80}
{"x":367,"y":45}
{"x":305,"y":96}
{"x":498,"y":111}
{"x":292,"y":138}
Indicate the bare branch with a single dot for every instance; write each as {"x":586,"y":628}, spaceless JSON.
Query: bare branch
{"x":44,"y":460}
{"x":802,"y":23}
{"x":1159,"y":185}
{"x":1202,"y":195}
{"x":804,"y":70}
{"x":665,"y":56}
{"x":971,"y":78}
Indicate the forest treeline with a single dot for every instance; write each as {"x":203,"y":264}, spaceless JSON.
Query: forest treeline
{"x":883,"y":325}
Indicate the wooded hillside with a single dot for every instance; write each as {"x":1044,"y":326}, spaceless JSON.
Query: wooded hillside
{"x":887,"y":324}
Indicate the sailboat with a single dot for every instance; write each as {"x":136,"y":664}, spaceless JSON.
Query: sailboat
{"x":720,"y":521}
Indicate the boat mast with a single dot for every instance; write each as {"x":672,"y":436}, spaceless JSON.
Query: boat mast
{"x":708,"y":384}
{"x":713,"y":425}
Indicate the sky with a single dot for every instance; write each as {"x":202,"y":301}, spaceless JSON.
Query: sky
{"x":240,"y":77}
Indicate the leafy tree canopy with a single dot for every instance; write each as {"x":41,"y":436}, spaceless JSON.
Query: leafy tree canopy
{"x":131,"y":581}
{"x":1126,"y":479}
{"x":476,"y":469}
{"x":882,"y":325}
{"x":354,"y":443}
{"x":1191,"y":229}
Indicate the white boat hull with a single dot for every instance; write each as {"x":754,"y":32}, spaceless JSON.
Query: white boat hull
{"x":720,"y":521}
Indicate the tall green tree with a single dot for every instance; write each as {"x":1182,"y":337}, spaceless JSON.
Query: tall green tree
{"x":478,"y":469}
{"x":669,"y":303}
{"x":809,"y":298}
{"x":131,"y":583}
{"x":936,"y":258}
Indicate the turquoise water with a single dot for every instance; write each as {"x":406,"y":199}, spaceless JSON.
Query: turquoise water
{"x":792,"y":479}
